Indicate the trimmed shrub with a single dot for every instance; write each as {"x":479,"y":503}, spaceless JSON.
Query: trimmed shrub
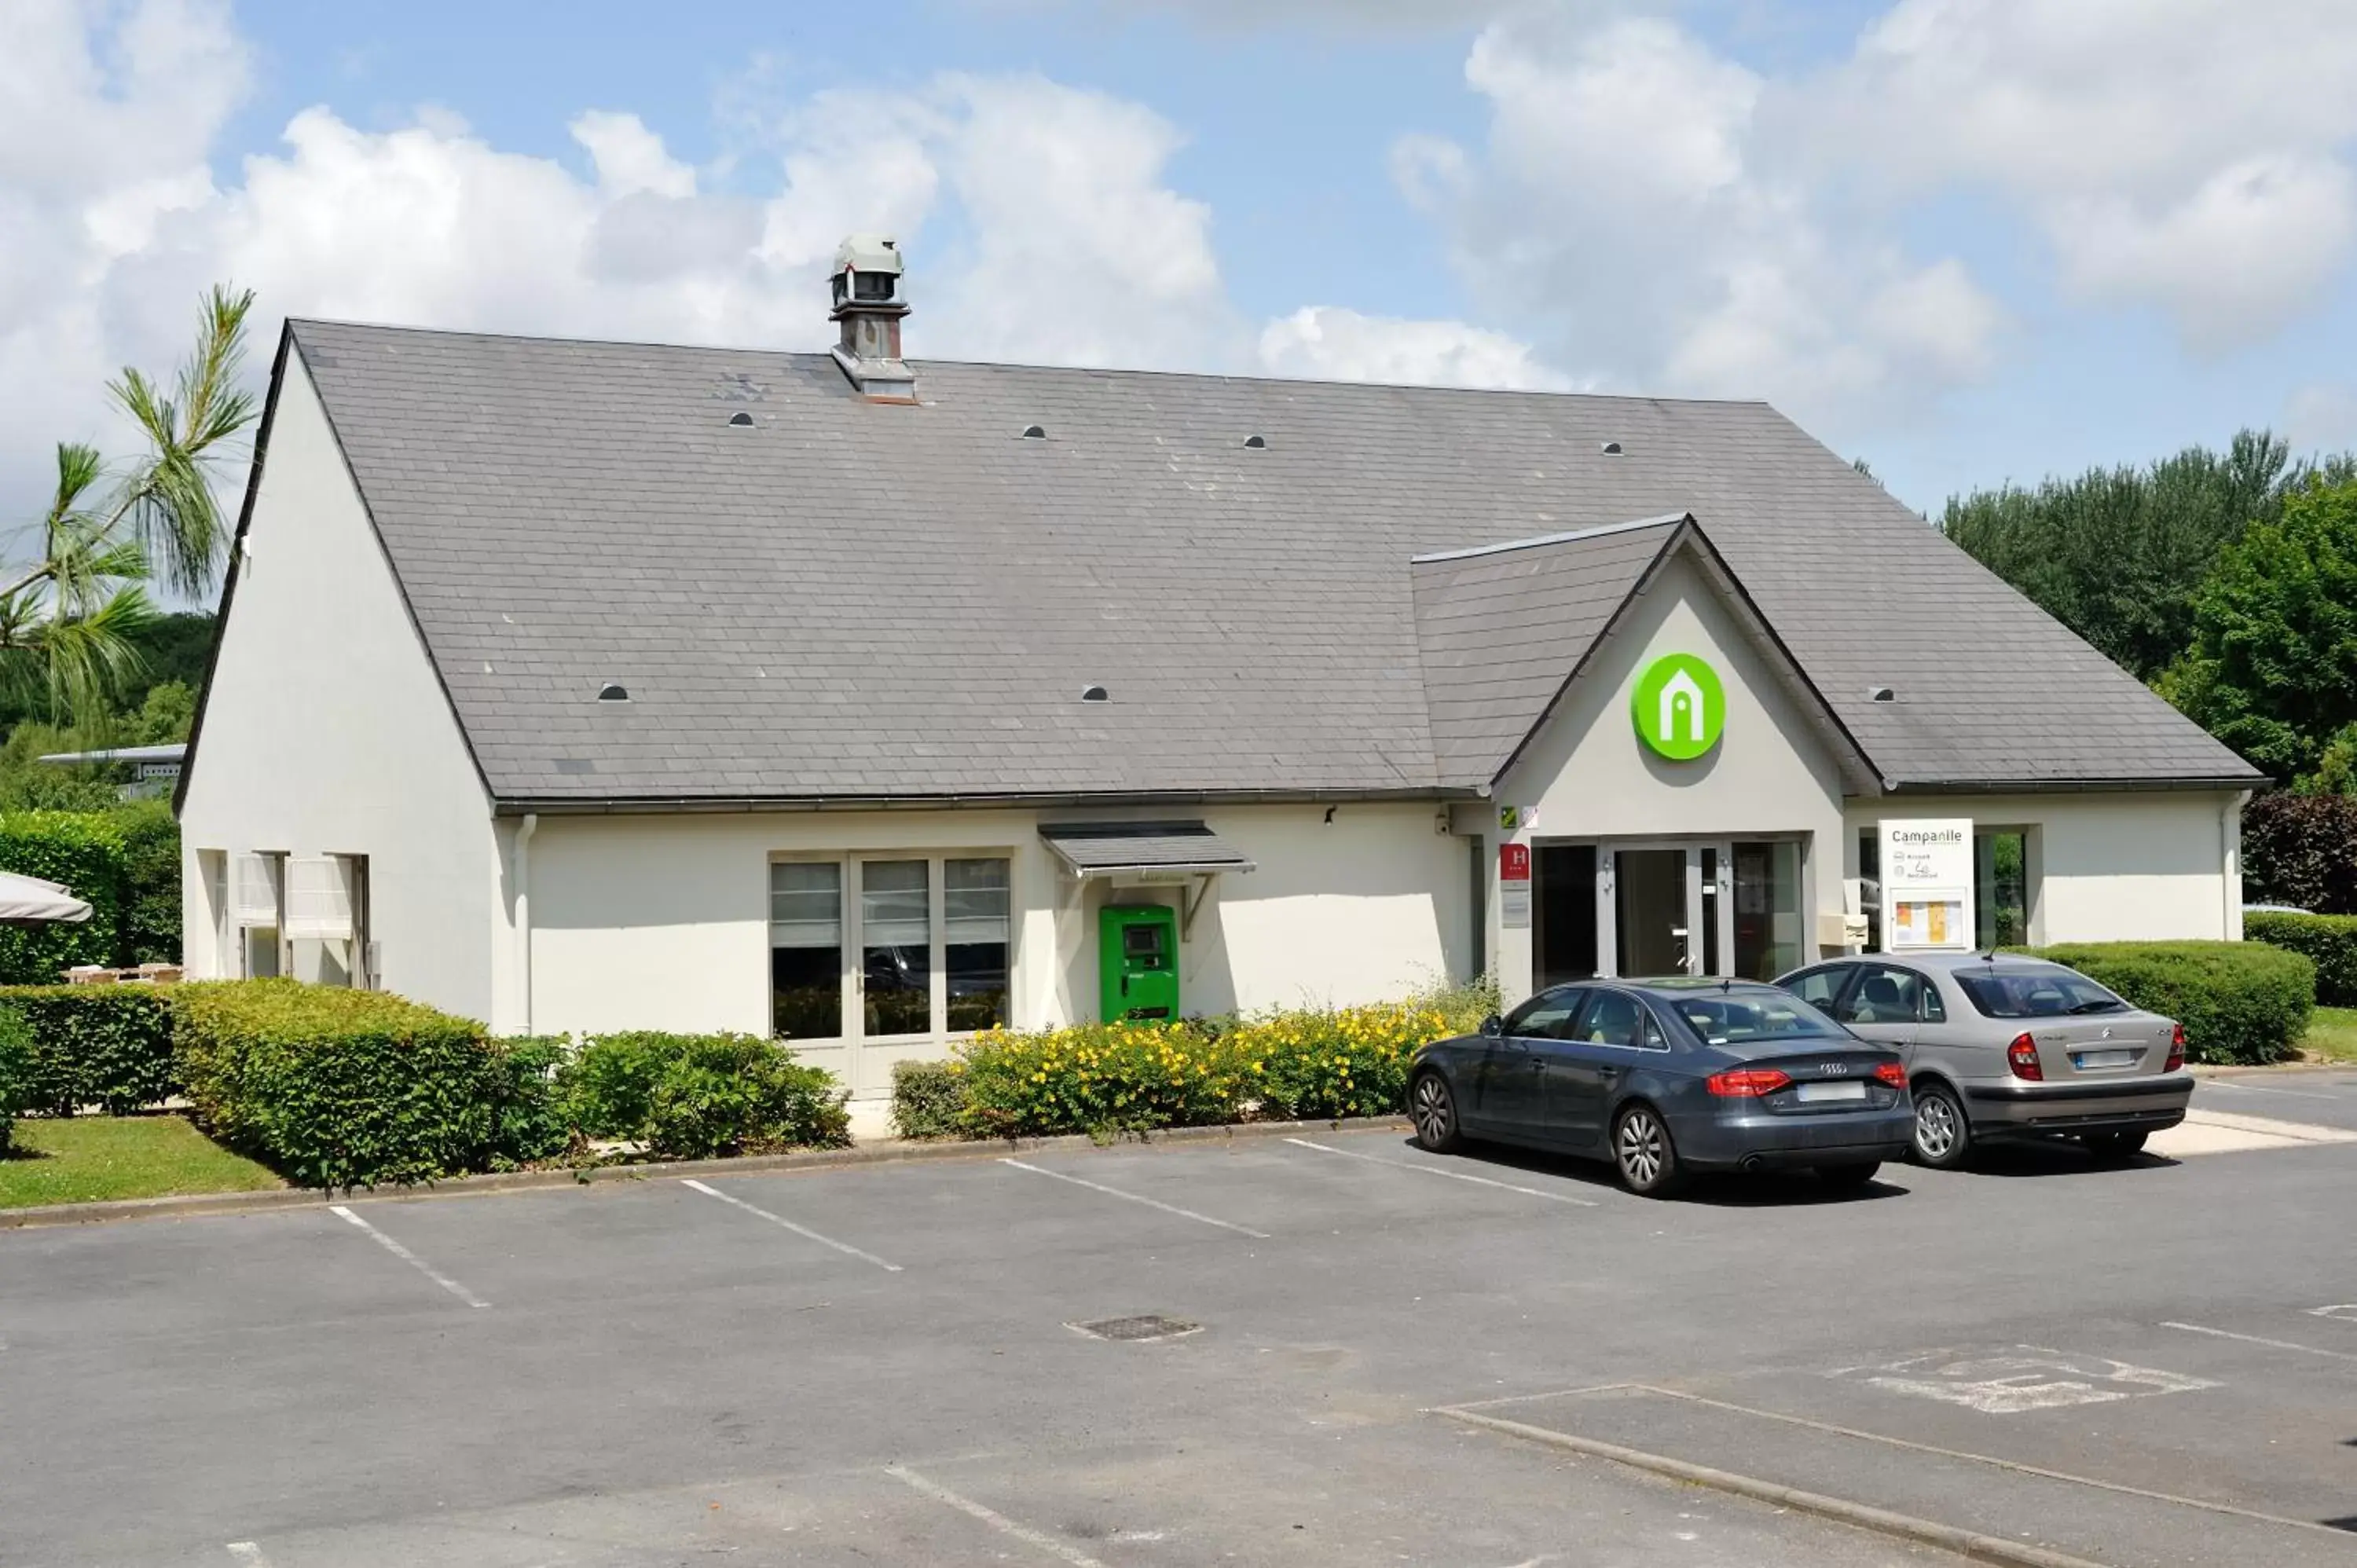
{"x":85,"y":852}
{"x":1313,"y":1066}
{"x":16,"y":1072}
{"x":927,"y":1100}
{"x":2240,"y":1002}
{"x":2328,"y":941}
{"x":528,"y":1118}
{"x":334,"y":1087}
{"x":701,"y":1096}
{"x":2302,"y":850}
{"x":149,"y":913}
{"x":98,"y":1045}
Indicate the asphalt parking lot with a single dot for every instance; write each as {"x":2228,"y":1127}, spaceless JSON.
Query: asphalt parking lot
{"x":1377,"y":1354}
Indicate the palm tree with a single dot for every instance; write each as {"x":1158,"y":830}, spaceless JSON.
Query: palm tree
{"x":68,"y":617}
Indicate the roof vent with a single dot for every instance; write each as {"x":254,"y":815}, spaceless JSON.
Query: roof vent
{"x":613,"y":692}
{"x":1256,"y":443}
{"x":740,"y":420}
{"x":1034,"y":433}
{"x":1612,"y":448}
{"x":866,"y":282}
{"x":1881,"y":695}
{"x":1094,"y":694}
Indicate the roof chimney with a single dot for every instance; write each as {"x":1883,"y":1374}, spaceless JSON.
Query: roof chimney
{"x":868,"y":301}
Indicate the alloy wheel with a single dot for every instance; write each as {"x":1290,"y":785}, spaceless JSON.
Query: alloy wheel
{"x":1642,"y":1148}
{"x":1434,"y":1113}
{"x":1935,"y":1126}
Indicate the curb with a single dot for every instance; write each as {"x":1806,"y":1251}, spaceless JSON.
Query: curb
{"x":887,"y":1152}
{"x":2272,"y":1069}
{"x":1966,"y":1544}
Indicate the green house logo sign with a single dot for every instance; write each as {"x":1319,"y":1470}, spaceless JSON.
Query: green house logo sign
{"x":1680,"y":707}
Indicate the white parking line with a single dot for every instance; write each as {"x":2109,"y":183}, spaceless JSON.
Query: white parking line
{"x":2266,"y":1089}
{"x":2255,"y":1339}
{"x":843,"y":1247}
{"x":2346,"y":1312}
{"x":1134,"y":1197}
{"x":1453,"y":1175}
{"x":991,"y":1517}
{"x":412,"y":1259}
{"x":247,"y":1552}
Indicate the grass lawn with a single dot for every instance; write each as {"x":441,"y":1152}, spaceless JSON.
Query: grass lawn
{"x":2332,"y":1035}
{"x":91,"y":1159}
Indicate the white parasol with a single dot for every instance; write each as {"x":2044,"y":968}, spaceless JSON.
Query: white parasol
{"x":29,"y":901}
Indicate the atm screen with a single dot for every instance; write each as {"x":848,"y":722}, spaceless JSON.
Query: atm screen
{"x":1142,"y":941}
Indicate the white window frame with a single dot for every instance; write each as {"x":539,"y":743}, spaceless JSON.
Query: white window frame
{"x":243,"y":920}
{"x":853,"y":944}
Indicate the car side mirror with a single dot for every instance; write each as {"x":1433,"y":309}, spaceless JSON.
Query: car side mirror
{"x":1494,"y":1026}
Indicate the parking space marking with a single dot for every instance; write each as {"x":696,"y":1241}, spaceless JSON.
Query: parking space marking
{"x":1453,"y":1175}
{"x":1135,"y":1197}
{"x":2018,"y":1467}
{"x":2267,"y":1088}
{"x":803,"y":1231}
{"x":2255,"y":1339}
{"x":2010,"y":1380}
{"x":412,"y":1258}
{"x":992,"y":1517}
{"x":2346,"y":1313}
{"x":247,"y":1552}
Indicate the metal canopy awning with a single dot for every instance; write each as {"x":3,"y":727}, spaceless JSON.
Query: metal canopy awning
{"x":1187,"y":854}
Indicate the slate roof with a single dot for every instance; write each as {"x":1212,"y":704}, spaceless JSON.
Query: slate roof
{"x":1142,"y":846}
{"x":854,"y":601}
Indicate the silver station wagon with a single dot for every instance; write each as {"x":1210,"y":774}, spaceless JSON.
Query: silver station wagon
{"x":1999,"y":1046}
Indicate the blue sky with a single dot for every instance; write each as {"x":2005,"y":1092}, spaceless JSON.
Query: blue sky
{"x":1968,"y":240}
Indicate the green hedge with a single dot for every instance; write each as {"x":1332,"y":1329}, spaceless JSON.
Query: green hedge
{"x":2328,"y":941}
{"x":85,"y":852}
{"x":15,"y":1074}
{"x":701,"y":1096}
{"x":334,"y":1087}
{"x":2240,"y":1002}
{"x":927,"y":1100}
{"x":97,"y":1044}
{"x":148,"y":916}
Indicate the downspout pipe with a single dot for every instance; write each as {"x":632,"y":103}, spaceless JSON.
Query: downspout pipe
{"x":525,"y":830}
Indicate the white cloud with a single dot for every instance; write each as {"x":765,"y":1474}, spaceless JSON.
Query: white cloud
{"x":2187,"y":155}
{"x":629,"y":157}
{"x":1631,"y":212}
{"x":2322,"y":417}
{"x":1329,"y":343}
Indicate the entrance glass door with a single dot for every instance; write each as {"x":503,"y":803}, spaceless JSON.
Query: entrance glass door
{"x":1655,"y":913}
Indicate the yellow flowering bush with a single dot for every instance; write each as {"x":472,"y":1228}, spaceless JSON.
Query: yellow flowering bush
{"x":1301,"y":1064}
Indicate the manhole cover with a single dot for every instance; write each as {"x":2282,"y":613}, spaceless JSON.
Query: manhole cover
{"x":1152,"y":1326}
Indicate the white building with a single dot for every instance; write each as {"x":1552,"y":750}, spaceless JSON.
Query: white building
{"x":582,"y":687}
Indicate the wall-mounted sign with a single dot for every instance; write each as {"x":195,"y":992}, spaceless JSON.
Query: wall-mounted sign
{"x":1514,"y":886}
{"x":1927,"y":885}
{"x":1517,"y":818}
{"x":1679,"y":705}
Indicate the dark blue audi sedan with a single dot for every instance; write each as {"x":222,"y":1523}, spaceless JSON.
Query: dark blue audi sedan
{"x":1665,"y":1078}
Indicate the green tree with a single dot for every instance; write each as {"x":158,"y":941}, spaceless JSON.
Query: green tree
{"x":71,"y":616}
{"x":2119,"y":554}
{"x":2273,"y":668}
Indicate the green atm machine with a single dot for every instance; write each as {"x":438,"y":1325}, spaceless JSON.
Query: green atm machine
{"x":1137,"y":957}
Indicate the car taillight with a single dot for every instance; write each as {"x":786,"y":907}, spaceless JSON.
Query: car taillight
{"x":1747,"y":1082}
{"x":2022,"y":1057}
{"x":1891,"y":1073}
{"x":2176,"y":1047}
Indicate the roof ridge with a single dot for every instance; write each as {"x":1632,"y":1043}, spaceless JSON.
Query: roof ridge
{"x":1535,"y":541}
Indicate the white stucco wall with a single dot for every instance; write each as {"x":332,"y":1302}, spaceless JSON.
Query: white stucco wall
{"x":2152,"y":865}
{"x":325,"y":732}
{"x":1591,"y":777}
{"x":648,"y":921}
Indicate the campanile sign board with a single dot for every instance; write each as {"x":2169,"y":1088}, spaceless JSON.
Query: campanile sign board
{"x":1927,"y":885}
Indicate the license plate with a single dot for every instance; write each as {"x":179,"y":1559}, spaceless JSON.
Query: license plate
{"x":2106,"y":1058}
{"x":1811,"y":1093}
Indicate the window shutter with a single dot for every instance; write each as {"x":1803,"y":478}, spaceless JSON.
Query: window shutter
{"x":319,"y":899}
{"x":257,"y":890}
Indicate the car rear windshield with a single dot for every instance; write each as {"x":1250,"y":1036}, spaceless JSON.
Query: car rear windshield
{"x":2035,"y":993}
{"x":1725,"y":1018}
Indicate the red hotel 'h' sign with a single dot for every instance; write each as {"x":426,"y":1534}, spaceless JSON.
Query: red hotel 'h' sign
{"x":1513,"y":863}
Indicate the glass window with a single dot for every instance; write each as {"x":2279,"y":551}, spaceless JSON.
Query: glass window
{"x":1820,"y":987}
{"x":1612,"y":1019}
{"x":1934,"y":1009}
{"x":2043,"y":990}
{"x":895,"y":933}
{"x":1869,"y":870}
{"x":1885,"y":995}
{"x":973,"y":936}
{"x":1767,"y":909}
{"x":261,"y":952}
{"x":1724,"y":1018}
{"x":806,"y":950}
{"x":2000,"y":889}
{"x":1544,"y":1016}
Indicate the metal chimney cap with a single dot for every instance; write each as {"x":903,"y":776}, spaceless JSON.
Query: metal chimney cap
{"x":869,"y":254}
